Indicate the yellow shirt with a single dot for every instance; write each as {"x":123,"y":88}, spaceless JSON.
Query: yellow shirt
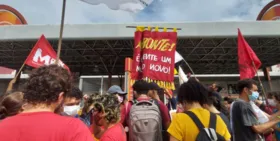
{"x":183,"y":128}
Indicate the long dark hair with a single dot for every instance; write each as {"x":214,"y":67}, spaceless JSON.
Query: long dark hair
{"x":11,"y":104}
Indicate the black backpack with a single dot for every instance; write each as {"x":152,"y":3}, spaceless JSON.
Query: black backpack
{"x":206,"y":134}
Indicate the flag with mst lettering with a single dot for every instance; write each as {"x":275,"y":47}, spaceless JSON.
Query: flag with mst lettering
{"x":246,"y":59}
{"x":154,"y":57}
{"x":43,"y":54}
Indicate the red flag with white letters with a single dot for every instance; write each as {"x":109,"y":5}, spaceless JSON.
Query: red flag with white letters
{"x":43,"y":54}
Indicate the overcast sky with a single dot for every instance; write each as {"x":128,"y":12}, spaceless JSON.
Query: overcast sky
{"x":78,"y":12}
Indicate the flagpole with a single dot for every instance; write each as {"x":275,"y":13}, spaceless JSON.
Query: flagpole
{"x":189,"y":67}
{"x":61,"y":31}
{"x":263,"y":91}
{"x":13,"y":81}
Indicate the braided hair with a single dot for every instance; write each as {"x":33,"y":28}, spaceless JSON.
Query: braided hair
{"x":109,"y":104}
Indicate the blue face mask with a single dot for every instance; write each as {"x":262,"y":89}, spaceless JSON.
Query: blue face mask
{"x":254,"y":96}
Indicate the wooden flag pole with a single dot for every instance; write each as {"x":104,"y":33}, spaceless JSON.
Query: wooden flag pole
{"x":263,"y":91}
{"x":61,"y":31}
{"x":13,"y":81}
{"x":19,"y":71}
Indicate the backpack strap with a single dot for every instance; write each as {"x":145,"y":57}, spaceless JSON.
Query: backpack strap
{"x":195,"y":119}
{"x":156,"y":102}
{"x":213,"y":121}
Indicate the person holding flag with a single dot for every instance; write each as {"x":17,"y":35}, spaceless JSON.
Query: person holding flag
{"x":244,"y":122}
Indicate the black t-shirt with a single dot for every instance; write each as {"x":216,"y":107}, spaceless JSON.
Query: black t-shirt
{"x":243,"y":118}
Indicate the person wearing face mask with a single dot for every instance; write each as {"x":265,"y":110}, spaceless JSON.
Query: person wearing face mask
{"x":244,"y":121}
{"x":268,"y":108}
{"x":44,"y":92}
{"x":71,"y":105}
{"x":121,"y":95}
{"x":262,"y":116}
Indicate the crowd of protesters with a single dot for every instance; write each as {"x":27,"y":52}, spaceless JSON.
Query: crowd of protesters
{"x":50,"y":108}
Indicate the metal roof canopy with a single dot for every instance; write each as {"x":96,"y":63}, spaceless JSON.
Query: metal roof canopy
{"x":99,"y":49}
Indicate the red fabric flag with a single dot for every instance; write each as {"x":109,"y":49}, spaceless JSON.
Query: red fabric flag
{"x":246,"y":59}
{"x":154,"y":57}
{"x":43,"y":54}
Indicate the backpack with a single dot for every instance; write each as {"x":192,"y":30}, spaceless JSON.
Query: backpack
{"x":145,"y":123}
{"x":206,"y":134}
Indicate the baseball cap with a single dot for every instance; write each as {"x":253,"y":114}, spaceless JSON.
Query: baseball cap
{"x":141,"y":86}
{"x":115,"y":89}
{"x":154,"y":86}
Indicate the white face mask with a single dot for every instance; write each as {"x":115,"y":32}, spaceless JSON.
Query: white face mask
{"x":120,"y":98}
{"x":71,"y":110}
{"x":271,"y":102}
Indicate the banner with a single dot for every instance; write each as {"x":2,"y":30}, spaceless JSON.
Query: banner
{"x":43,"y":54}
{"x":154,"y":57}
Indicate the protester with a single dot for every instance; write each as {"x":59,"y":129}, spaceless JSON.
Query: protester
{"x":106,"y":114}
{"x":276,"y":104}
{"x":161,"y":119}
{"x":153,"y":89}
{"x":87,"y":111}
{"x":72,"y":102}
{"x":171,"y":104}
{"x":227,"y":102}
{"x":44,"y":92}
{"x":11,"y":104}
{"x":192,"y":96}
{"x":262,"y":117}
{"x":155,"y":93}
{"x":214,"y":105}
{"x":268,"y":108}
{"x":121,"y":95}
{"x":243,"y":118}
{"x":215,"y":90}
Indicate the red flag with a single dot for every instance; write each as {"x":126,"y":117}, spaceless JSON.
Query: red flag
{"x":43,"y":54}
{"x":246,"y":59}
{"x":154,"y":57}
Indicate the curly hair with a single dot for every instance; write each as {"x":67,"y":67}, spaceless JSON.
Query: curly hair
{"x":88,"y":105}
{"x":46,"y":83}
{"x":192,"y":91}
{"x":109,"y":104}
{"x":11,"y":104}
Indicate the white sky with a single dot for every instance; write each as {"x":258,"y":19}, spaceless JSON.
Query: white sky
{"x":77,"y":12}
